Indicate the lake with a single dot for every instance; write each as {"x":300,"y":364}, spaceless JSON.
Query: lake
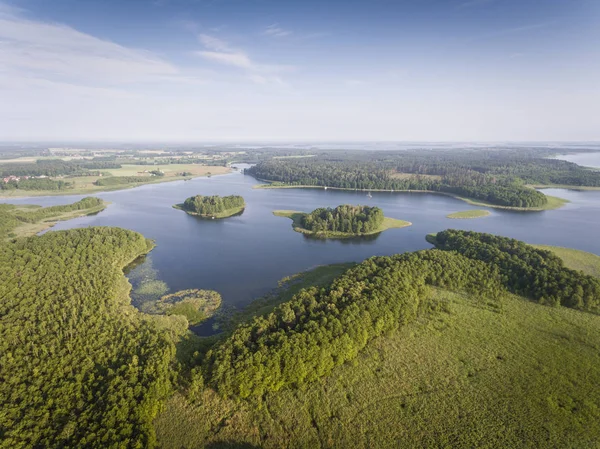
{"x":583,"y":159}
{"x":243,"y":257}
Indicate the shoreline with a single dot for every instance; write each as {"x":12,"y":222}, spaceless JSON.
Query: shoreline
{"x":25,"y":229}
{"x":221,"y":215}
{"x":469,"y":214}
{"x":74,"y":192}
{"x":388,"y":223}
{"x":553,"y":201}
{"x":564,"y":187}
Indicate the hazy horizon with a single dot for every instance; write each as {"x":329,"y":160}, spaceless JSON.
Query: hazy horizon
{"x":233,"y":71}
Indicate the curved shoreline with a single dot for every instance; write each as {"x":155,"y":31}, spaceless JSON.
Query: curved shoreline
{"x":295,"y":216}
{"x":74,"y":192}
{"x":468,"y":214}
{"x":553,"y":201}
{"x":225,"y":214}
{"x":27,"y":229}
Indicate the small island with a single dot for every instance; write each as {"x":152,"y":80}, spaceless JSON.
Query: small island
{"x":195,"y":305}
{"x":342,"y":222}
{"x":475,"y":213}
{"x":213,"y":206}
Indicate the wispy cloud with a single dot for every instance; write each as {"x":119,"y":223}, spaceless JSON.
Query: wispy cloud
{"x":276,"y":31}
{"x":512,"y":30}
{"x":58,"y":52}
{"x":220,"y":51}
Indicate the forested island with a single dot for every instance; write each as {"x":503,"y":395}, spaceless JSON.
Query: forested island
{"x":343,"y":221}
{"x":498,"y":178}
{"x":407,"y":340}
{"x":213,"y":206}
{"x":26,"y":220}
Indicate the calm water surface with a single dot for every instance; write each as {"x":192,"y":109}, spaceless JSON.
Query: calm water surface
{"x":243,"y":257}
{"x":584,"y":159}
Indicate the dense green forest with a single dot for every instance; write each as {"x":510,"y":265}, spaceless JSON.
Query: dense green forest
{"x":57,"y":167}
{"x":525,"y":270}
{"x":468,"y":372}
{"x":79,"y":366}
{"x":367,"y":175}
{"x":12,"y":216}
{"x":304,"y":339}
{"x":35,"y":184}
{"x":213,"y":205}
{"x":495,"y":176}
{"x":345,"y":218}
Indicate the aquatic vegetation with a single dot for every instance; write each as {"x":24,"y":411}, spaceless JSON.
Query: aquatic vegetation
{"x":196,"y":305}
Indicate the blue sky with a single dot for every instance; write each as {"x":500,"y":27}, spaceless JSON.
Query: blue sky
{"x":235,"y":70}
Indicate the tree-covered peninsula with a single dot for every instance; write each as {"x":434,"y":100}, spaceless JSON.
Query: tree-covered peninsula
{"x":343,"y":221}
{"x":434,"y":339}
{"x":497,"y":178}
{"x":26,"y":220}
{"x":79,"y":367}
{"x":213,"y":206}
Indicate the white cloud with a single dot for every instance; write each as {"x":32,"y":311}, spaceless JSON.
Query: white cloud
{"x":219,"y":51}
{"x":54,"y":51}
{"x":235,"y":59}
{"x":214,"y":43}
{"x":276,"y":31}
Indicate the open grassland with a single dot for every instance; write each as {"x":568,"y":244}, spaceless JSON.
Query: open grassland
{"x":468,"y":373}
{"x":171,"y":170}
{"x":469,"y":214}
{"x":296,"y":217}
{"x":85,"y":184}
{"x":575,"y":259}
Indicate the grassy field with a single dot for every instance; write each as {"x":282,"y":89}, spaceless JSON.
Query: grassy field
{"x":469,"y":214}
{"x":85,"y":184}
{"x":467,"y":374}
{"x":576,"y":260}
{"x":225,"y":214}
{"x":553,"y":201}
{"x":296,"y":217}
